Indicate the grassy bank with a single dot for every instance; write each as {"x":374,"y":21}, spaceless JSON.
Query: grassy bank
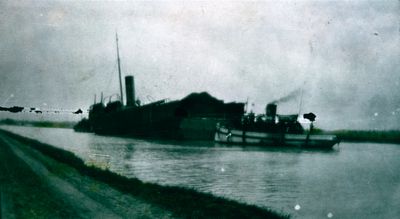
{"x":23,"y":193}
{"x":183,"y":202}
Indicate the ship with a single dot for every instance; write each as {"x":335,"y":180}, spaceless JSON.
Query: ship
{"x":270,"y":129}
{"x":198,"y":116}
{"x":193,"y":117}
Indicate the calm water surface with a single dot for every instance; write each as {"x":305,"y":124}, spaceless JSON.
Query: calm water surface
{"x":354,"y":180}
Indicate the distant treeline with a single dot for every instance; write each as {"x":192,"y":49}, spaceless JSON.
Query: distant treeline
{"x":48,"y":124}
{"x":388,"y":136}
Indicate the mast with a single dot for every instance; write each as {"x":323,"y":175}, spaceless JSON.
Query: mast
{"x":119,"y":71}
{"x":301,"y":101}
{"x":301,"y":98}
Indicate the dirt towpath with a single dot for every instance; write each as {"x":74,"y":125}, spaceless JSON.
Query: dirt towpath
{"x":33,"y":185}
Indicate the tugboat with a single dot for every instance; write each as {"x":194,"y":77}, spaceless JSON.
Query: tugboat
{"x":273,"y":130}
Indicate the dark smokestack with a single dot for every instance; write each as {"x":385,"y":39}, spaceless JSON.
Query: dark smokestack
{"x":270,"y":112}
{"x":130,"y":90}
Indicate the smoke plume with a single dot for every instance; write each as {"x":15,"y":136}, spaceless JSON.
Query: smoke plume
{"x":292,"y":95}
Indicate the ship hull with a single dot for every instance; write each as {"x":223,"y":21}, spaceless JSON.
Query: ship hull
{"x":192,"y":118}
{"x":173,"y":128}
{"x":234,"y":136}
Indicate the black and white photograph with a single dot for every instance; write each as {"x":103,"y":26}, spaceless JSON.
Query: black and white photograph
{"x":200,"y":109}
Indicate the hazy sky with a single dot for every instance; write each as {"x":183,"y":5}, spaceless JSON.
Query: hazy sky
{"x":344,"y":55}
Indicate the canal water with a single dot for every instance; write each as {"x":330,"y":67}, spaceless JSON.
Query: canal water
{"x":354,"y":180}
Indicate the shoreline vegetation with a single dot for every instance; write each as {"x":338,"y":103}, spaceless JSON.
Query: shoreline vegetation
{"x":44,"y":124}
{"x":391,"y":136}
{"x":379,"y":136}
{"x":186,"y":203}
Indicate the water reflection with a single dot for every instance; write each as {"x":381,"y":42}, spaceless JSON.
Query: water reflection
{"x":254,"y":175}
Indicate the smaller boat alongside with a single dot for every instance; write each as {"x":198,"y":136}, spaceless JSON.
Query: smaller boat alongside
{"x":273,"y":130}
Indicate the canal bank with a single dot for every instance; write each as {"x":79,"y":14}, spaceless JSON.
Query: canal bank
{"x":39,"y":180}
